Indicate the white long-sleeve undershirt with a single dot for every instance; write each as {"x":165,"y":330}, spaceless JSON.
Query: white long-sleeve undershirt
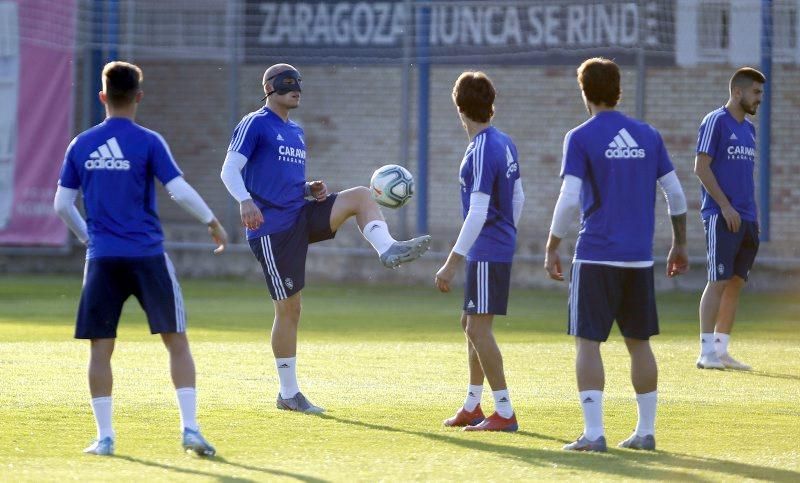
{"x":64,"y":205}
{"x":569,"y":201}
{"x":189,"y":199}
{"x":473,"y":223}
{"x":518,"y":201}
{"x":673,"y":193}
{"x":567,"y":205}
{"x":178,"y":188}
{"x":232,"y":176}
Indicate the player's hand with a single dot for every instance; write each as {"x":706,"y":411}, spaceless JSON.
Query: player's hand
{"x":732,"y":218}
{"x":444,"y":276}
{"x":552,"y":263}
{"x":318,"y":190}
{"x":218,"y":234}
{"x":251,"y":215}
{"x":677,"y":261}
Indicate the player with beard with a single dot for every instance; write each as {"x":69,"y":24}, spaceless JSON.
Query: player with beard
{"x":726,"y":147}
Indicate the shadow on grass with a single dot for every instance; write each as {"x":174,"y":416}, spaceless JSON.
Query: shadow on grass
{"x":771,"y":375}
{"x":219,"y":477}
{"x":617,"y":462}
{"x":287,"y":474}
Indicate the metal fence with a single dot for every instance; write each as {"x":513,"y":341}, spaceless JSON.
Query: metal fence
{"x":382,"y":70}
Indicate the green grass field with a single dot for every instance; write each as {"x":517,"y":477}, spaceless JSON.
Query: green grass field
{"x":388,"y":364}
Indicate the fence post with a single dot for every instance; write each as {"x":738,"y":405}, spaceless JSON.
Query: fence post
{"x":232,"y":27}
{"x":423,"y":112}
{"x":765,"y":119}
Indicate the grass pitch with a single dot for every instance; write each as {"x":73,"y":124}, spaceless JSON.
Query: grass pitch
{"x":388,"y":363}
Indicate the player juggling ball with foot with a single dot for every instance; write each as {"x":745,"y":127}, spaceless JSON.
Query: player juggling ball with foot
{"x":265,"y":171}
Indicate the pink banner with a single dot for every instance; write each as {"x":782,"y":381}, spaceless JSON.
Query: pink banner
{"x":36,"y":77}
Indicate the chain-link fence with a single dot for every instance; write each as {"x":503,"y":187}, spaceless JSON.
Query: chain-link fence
{"x":377,"y":80}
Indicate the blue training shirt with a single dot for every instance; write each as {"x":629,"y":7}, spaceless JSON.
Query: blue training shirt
{"x":619,"y":160}
{"x":490,"y":166}
{"x":732,"y":147}
{"x":275,"y":173}
{"x":113,"y":164}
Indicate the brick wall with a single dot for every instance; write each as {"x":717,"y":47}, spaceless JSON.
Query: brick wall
{"x":352,"y":119}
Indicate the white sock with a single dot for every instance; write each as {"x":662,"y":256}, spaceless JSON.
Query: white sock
{"x":287,"y":373}
{"x":187,"y":405}
{"x":707,"y":343}
{"x":647,"y":413}
{"x":474,"y":394}
{"x":502,"y":403}
{"x":721,"y":342}
{"x":101,"y":406}
{"x":377,"y":234}
{"x":592,"y":404}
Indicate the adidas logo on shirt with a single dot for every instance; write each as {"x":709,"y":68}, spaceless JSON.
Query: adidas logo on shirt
{"x":733,"y":136}
{"x":108,"y":156}
{"x":624,"y":147}
{"x":279,"y":138}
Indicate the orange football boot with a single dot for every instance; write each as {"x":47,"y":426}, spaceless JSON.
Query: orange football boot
{"x":466,"y":418}
{"x":495,"y":422}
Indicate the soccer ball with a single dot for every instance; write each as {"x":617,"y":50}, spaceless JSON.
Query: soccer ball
{"x":391,"y":186}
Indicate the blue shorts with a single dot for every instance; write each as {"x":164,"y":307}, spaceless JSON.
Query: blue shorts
{"x":109,"y":281}
{"x":486,"y":287}
{"x":601,"y":294}
{"x":282,"y":255}
{"x":729,"y":253}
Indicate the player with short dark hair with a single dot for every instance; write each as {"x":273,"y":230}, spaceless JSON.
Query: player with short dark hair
{"x":114,"y":164}
{"x":611,"y":166}
{"x":491,"y":201}
{"x":265,"y":171}
{"x":725,"y":161}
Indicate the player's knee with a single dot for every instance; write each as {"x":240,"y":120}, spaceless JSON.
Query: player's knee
{"x":587,"y":346}
{"x":102,"y":349}
{"x":475,"y":330}
{"x":717,"y":286}
{"x":736,"y":282}
{"x":176,"y":343}
{"x":637,"y":346}
{"x":289,"y":310}
{"x":363,"y":195}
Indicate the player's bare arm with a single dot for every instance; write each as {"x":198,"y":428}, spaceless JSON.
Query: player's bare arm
{"x":702,"y":168}
{"x":318,"y":190}
{"x":218,"y":234}
{"x":251,"y":215}
{"x":446,"y":274}
{"x":678,"y":258}
{"x":552,"y":260}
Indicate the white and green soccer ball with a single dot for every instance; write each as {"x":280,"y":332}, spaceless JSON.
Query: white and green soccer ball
{"x":391,"y":186}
